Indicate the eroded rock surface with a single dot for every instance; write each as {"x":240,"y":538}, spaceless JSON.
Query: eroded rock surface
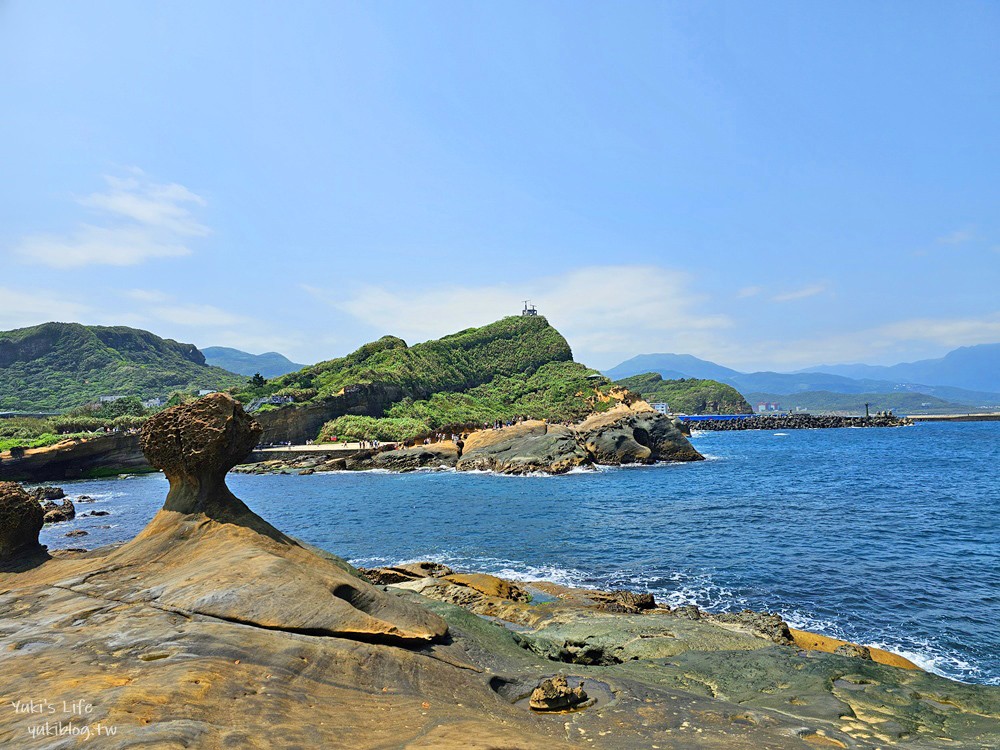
{"x":628,"y":435}
{"x":214,"y":630}
{"x":21,"y":519}
{"x":58,"y":512}
{"x":524,"y":448}
{"x":435,"y":455}
{"x":195,"y":445}
{"x":555,"y":694}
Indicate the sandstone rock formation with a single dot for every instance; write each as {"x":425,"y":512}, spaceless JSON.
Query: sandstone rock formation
{"x":20,"y":521}
{"x":636,"y":434}
{"x":212,"y":629}
{"x":41,"y":494}
{"x":195,"y":445}
{"x":523,"y":449}
{"x":444,"y":453}
{"x":58,"y":512}
{"x":204,"y":526}
{"x":74,"y":459}
{"x":555,"y":694}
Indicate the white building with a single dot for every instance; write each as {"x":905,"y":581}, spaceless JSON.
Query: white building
{"x":661,"y":407}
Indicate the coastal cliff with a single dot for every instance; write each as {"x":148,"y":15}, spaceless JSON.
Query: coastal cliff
{"x":101,"y":455}
{"x":213,"y":629}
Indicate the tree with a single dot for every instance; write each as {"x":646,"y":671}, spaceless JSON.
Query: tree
{"x":257,"y":380}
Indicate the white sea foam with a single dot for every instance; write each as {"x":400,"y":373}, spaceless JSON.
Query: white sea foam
{"x":926,"y":654}
{"x":514,"y":570}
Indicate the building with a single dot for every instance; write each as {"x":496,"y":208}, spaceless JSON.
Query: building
{"x":766,"y":406}
{"x":154,"y":403}
{"x":109,"y":399}
{"x":529,"y":309}
{"x":661,"y":407}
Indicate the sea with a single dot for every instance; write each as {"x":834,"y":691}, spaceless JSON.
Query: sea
{"x":888,"y":537}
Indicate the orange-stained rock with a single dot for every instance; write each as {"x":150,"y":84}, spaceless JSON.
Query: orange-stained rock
{"x":816,"y":642}
{"x":490,"y":585}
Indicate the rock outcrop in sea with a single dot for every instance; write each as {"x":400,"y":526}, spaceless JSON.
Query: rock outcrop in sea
{"x":213,"y":629}
{"x":628,"y":433}
{"x":21,"y":518}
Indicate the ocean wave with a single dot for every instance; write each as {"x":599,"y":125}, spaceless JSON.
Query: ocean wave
{"x":926,"y":654}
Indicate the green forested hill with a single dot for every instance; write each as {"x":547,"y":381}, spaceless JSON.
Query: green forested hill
{"x":453,"y":363}
{"x":61,"y":365}
{"x":688,"y":395}
{"x":517,"y":366}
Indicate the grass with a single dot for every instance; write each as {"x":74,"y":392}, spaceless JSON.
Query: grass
{"x":688,"y":395}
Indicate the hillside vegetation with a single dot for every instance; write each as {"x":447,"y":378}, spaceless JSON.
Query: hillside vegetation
{"x":517,"y":366}
{"x":688,"y":395}
{"x":456,"y":362}
{"x":557,"y":392}
{"x":55,"y":366}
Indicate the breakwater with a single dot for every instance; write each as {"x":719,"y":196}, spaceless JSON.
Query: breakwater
{"x":796,"y":422}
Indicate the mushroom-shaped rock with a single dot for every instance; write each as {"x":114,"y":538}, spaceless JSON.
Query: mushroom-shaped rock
{"x":206,"y":553}
{"x":195,"y":445}
{"x":20,"y":521}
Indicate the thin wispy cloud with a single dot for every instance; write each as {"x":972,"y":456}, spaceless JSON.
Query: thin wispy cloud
{"x":602,"y":310}
{"x":197,"y":315}
{"x":957,"y":237}
{"x":749,"y":291}
{"x":890,"y":343}
{"x":147,"y":295}
{"x":804,"y":293}
{"x":28,"y":307}
{"x":136,"y":219}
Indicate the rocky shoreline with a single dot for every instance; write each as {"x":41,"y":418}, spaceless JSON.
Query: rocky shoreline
{"x":625,"y":434}
{"x":213,"y":629}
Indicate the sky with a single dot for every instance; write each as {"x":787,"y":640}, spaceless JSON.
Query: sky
{"x":769,"y":185}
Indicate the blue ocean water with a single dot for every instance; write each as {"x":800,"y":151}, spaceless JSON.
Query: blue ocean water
{"x":888,"y":537}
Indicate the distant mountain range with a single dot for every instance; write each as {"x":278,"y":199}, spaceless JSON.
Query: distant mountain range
{"x":62,"y":365}
{"x":269,"y":364}
{"x":967,"y":377}
{"x":975,"y":368}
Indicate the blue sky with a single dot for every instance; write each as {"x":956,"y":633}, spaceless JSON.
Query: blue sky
{"x":768,"y":185}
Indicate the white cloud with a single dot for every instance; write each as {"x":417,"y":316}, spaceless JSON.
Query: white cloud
{"x":21,"y":308}
{"x":887,"y":344}
{"x":163,"y":207}
{"x":749,"y":291}
{"x":201,"y":316}
{"x":140,"y":220}
{"x":147,"y":295}
{"x":805,"y":292}
{"x":601,"y":310}
{"x":957,"y":237}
